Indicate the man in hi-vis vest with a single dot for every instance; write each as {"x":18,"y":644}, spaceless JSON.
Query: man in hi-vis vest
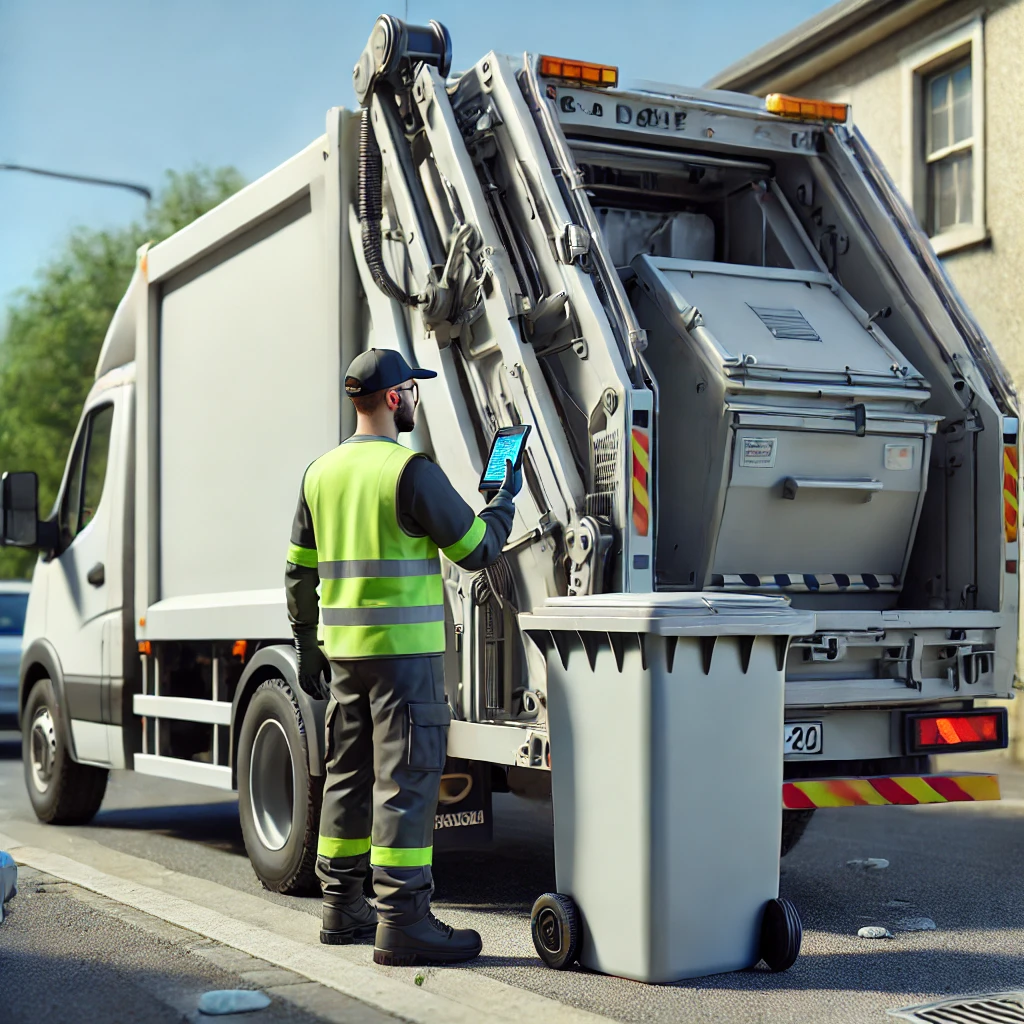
{"x":371,"y":519}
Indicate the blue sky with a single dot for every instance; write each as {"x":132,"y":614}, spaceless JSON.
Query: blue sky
{"x":129,"y":88}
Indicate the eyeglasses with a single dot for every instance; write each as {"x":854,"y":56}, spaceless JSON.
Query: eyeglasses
{"x":415,"y":389}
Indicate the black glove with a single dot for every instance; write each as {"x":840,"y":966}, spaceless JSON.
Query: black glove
{"x":314,"y":668}
{"x":501,"y":509}
{"x":513,"y":482}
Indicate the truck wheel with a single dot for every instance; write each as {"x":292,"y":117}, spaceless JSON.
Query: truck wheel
{"x":61,"y":791}
{"x":794,"y":824}
{"x":278,"y":800}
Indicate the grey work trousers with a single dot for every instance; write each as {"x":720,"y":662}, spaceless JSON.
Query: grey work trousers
{"x":387,"y":736}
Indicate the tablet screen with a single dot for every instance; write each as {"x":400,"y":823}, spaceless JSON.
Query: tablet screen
{"x":505,"y":446}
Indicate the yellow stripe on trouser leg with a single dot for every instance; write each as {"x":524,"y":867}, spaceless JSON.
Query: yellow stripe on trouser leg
{"x":327,"y":846}
{"x":401,"y":857}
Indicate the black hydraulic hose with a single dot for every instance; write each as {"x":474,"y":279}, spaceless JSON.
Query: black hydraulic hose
{"x":370,"y":203}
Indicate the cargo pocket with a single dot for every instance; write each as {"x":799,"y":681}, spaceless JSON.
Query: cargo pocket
{"x":428,"y":735}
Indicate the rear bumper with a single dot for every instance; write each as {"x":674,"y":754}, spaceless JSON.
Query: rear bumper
{"x":879,"y":790}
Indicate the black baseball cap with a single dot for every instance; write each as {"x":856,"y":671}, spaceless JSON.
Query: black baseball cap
{"x":380,"y":368}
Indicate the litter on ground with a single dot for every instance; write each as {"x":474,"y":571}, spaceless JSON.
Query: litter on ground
{"x":237,"y":1000}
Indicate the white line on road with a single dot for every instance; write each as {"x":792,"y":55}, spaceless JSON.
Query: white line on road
{"x":455,"y":996}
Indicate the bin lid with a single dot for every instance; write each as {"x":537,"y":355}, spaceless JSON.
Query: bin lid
{"x":676,"y":614}
{"x":765,"y":319}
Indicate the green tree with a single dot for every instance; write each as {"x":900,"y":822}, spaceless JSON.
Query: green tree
{"x":54,"y":331}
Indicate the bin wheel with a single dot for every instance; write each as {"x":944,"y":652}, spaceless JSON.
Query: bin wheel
{"x":557,"y":929}
{"x":781,"y":934}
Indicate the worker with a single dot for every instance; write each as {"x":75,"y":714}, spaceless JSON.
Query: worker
{"x":371,"y":518}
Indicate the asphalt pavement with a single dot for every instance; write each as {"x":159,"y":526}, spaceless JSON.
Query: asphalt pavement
{"x":68,"y":956}
{"x":958,"y":865}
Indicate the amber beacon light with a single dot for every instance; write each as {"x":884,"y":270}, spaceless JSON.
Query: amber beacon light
{"x":580,"y":72}
{"x":805,"y":110}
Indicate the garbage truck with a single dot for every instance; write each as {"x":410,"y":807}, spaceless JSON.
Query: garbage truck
{"x":749,"y":380}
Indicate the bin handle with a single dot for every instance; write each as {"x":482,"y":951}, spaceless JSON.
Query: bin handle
{"x":793,"y":485}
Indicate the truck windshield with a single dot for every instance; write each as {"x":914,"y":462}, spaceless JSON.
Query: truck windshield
{"x":12,"y":614}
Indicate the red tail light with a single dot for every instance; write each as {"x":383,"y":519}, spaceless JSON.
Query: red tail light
{"x":965,"y":730}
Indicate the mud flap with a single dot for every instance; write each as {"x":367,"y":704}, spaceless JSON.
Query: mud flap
{"x":463,"y":818}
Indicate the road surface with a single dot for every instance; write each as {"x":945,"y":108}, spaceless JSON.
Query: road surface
{"x":175,"y":852}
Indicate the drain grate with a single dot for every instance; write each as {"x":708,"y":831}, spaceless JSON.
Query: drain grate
{"x":994,"y":1008}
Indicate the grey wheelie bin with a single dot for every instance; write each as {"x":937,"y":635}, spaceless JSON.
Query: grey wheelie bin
{"x":665,"y":718}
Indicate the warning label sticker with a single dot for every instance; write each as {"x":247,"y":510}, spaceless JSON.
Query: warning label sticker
{"x":758,"y":452}
{"x":899,"y":456}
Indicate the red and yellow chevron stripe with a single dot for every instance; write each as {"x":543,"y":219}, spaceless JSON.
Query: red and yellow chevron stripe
{"x":641,"y":470}
{"x":1010,"y":487}
{"x":804,"y":794}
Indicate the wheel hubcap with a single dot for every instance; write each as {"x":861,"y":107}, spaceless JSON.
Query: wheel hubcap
{"x":43,"y":749}
{"x":550,"y":930}
{"x":271,"y":786}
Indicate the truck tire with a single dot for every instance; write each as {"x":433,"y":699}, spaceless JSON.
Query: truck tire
{"x":278,"y":800}
{"x":61,"y":791}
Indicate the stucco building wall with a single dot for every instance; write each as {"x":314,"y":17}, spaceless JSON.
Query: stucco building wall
{"x":990,"y":276}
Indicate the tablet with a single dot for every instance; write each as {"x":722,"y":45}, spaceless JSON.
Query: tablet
{"x":508,"y":443}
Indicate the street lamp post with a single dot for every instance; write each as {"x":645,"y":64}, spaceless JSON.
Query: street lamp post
{"x":83,"y":178}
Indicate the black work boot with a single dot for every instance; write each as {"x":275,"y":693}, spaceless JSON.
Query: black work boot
{"x":427,"y":942}
{"x":349,"y":923}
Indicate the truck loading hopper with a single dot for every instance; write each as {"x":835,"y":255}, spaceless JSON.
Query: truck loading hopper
{"x":792,"y":449}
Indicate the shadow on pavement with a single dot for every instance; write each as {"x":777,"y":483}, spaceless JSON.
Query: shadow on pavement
{"x":10,"y":746}
{"x":504,"y":878}
{"x":210,"y":824}
{"x":947,"y":865}
{"x":890,"y":970}
{"x":497,"y":961}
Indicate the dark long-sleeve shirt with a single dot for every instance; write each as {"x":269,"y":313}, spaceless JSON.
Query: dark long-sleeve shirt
{"x":428,"y":506}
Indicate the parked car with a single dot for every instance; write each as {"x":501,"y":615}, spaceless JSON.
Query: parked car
{"x":13,"y":601}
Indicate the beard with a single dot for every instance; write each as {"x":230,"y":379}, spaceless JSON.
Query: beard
{"x":405,"y":418}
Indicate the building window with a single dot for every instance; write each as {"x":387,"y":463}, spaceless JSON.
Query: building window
{"x":943,"y":137}
{"x":948,"y":145}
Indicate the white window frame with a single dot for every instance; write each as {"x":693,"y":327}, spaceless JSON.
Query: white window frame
{"x":917,"y":66}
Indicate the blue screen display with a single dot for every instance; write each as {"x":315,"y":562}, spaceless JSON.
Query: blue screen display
{"x":506,"y":446}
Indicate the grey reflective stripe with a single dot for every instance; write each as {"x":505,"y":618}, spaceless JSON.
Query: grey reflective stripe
{"x":355,"y":568}
{"x":383,"y":616}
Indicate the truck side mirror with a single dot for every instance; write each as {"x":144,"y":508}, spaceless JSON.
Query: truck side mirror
{"x":19,"y":510}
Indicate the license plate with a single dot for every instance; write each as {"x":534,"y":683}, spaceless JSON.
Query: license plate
{"x":802,"y":738}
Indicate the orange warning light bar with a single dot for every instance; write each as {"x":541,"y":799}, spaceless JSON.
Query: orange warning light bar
{"x":968,"y":730}
{"x":1010,"y":491}
{"x":805,"y":110}
{"x":580,"y":72}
